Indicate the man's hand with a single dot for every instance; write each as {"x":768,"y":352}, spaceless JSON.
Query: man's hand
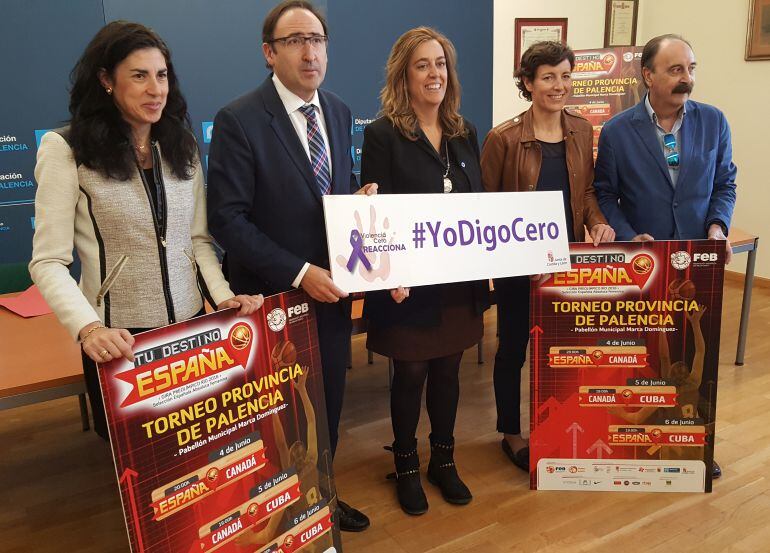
{"x":716,"y":233}
{"x":367,"y":189}
{"x":317,"y":282}
{"x":602,"y":233}
{"x":642,"y":238}
{"x":399,"y":294}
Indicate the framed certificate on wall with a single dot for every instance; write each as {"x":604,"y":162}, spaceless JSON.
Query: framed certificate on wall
{"x":530,"y":31}
{"x":758,"y":36}
{"x":620,"y":23}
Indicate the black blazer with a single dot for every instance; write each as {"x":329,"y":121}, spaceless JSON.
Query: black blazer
{"x":264,"y":206}
{"x":402,"y":166}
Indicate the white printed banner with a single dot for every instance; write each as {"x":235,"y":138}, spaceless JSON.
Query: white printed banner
{"x":390,"y":240}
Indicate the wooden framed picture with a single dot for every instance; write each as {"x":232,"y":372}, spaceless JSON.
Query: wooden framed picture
{"x":620,"y":23}
{"x":758,"y":35}
{"x":530,"y":31}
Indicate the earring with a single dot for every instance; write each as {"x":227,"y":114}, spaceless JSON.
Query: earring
{"x":108,"y":90}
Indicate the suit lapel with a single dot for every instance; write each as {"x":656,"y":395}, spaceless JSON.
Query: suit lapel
{"x":643,"y":127}
{"x":687,"y":137}
{"x":284,"y":130}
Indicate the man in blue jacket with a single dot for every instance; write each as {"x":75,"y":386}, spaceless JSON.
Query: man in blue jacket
{"x":665,"y":166}
{"x":664,"y":169}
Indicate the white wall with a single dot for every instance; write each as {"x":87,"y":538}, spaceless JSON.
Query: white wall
{"x":717,"y":31}
{"x":741,"y":89}
{"x":584,"y":30}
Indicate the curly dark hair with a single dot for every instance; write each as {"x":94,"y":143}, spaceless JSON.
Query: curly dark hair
{"x":541,"y":53}
{"x":99,"y":136}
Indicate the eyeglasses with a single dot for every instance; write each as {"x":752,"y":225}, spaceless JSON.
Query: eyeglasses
{"x":297,"y":42}
{"x":672,"y":154}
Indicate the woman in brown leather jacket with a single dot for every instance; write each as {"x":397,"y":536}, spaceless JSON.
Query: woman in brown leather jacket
{"x":544,"y":148}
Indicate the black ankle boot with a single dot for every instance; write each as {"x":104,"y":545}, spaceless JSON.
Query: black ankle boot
{"x":443,"y":473}
{"x":409,"y":490}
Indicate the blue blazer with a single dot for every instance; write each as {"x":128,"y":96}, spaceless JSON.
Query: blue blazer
{"x":264,"y":206}
{"x":633,"y":185}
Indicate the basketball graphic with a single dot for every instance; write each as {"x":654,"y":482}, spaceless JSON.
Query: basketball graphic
{"x":284,"y":353}
{"x":212,"y":474}
{"x":240,"y":336}
{"x":682,"y":289}
{"x":642,"y":264}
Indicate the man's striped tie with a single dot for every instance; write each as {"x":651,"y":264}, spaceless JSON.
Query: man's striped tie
{"x":319,"y":157}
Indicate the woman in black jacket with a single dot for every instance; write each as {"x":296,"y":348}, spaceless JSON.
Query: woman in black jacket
{"x":422,"y":144}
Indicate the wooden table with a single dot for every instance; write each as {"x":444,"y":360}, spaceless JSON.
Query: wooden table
{"x":741,"y":241}
{"x":39,"y":361}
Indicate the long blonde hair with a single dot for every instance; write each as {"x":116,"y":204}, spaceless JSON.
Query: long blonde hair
{"x":394,"y":96}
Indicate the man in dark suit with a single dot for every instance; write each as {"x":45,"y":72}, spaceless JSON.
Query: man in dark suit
{"x":665,"y":168}
{"x":274,"y":153}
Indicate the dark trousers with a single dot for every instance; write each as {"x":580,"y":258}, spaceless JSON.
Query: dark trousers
{"x":512,"y":296}
{"x":334,"y":328}
{"x":95,"y":392}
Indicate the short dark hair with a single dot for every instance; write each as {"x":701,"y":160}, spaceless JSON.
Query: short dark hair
{"x":99,"y":135}
{"x":653,"y":46}
{"x":541,"y":53}
{"x":271,"y":20}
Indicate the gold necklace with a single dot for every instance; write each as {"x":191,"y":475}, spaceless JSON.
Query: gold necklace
{"x":141,"y":153}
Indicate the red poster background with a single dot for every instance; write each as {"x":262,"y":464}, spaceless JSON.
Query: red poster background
{"x":605,"y":82}
{"x":146,"y":464}
{"x":560,"y":428}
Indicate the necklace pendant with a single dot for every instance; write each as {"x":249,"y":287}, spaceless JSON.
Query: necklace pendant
{"x":447,"y":185}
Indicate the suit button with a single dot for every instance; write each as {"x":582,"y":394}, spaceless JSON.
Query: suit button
{"x":676,"y":204}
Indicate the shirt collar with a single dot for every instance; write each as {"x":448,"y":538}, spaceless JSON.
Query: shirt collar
{"x":654,"y":117}
{"x":291,"y":101}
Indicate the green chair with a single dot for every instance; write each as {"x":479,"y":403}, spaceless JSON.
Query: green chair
{"x":14,"y":277}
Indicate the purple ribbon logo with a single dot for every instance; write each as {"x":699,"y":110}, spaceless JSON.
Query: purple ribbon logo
{"x":357,"y":241}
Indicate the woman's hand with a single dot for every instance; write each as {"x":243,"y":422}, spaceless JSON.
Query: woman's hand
{"x":247,"y":304}
{"x":602,"y":233}
{"x":104,"y":344}
{"x":399,"y":294}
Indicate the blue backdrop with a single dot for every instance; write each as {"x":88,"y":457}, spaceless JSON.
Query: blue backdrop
{"x":216,"y":49}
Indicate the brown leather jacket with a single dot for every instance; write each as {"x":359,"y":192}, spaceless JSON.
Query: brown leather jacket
{"x":511,"y":158}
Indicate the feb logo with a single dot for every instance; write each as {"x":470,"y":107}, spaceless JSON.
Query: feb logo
{"x":276,"y":319}
{"x":680,"y":260}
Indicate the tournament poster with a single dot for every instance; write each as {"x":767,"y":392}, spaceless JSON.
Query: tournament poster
{"x":219,"y":434}
{"x":605,"y":81}
{"x":624,"y":357}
